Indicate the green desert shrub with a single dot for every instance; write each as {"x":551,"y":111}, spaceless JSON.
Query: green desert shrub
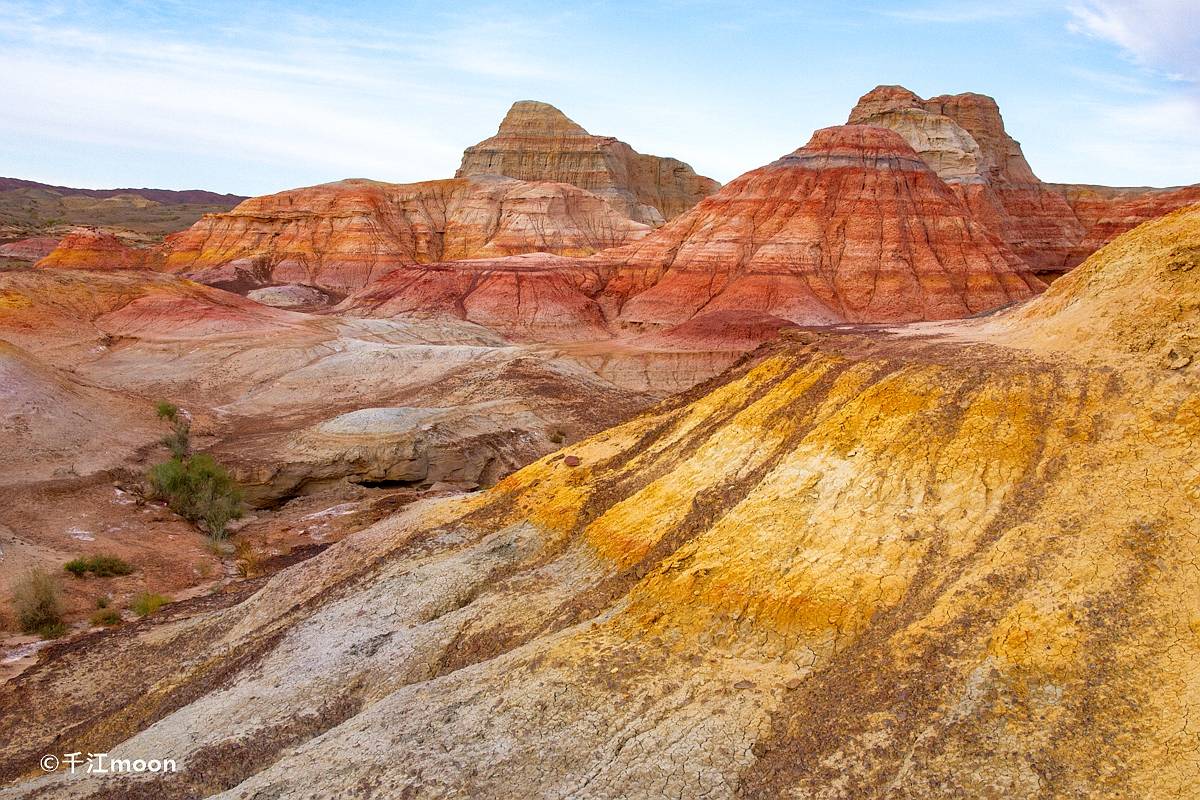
{"x":148,"y":602}
{"x":102,"y":566}
{"x":106,"y":616}
{"x":179,"y":440}
{"x":37,"y":604}
{"x":195,"y":487}
{"x":198,"y":489}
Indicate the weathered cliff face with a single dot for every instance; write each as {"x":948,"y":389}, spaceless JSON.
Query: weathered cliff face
{"x":962,"y":138}
{"x":537,"y":142}
{"x":1052,"y":227}
{"x":927,"y":562}
{"x":852,"y":227}
{"x":340,"y":236}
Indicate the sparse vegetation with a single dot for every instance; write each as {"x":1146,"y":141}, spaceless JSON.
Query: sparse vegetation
{"x":557,"y":437}
{"x":102,"y":566}
{"x":249,"y":563}
{"x":37,"y":604}
{"x":195,"y":487}
{"x":103,"y":601}
{"x":106,"y":616}
{"x":179,"y":440}
{"x":148,"y":602}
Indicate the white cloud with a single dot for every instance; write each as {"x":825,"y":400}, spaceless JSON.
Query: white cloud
{"x":1160,"y":34}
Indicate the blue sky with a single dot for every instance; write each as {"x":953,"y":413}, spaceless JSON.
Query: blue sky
{"x":257,"y":97}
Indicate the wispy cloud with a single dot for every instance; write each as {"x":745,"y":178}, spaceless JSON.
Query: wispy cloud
{"x":1160,"y":34}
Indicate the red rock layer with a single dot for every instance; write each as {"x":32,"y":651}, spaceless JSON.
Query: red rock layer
{"x":1053,"y":227}
{"x":341,"y":236}
{"x":536,"y":296}
{"x":973,"y":153}
{"x":851,"y":227}
{"x":1108,"y":212}
{"x":32,"y":249}
{"x":537,"y":142}
{"x":89,"y":248}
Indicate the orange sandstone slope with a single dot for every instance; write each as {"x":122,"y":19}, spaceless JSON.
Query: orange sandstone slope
{"x":913,"y":563}
{"x":537,"y":142}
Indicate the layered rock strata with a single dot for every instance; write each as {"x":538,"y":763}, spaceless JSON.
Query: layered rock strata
{"x":537,"y":142}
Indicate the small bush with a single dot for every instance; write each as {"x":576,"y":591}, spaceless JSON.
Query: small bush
{"x":249,"y":563}
{"x":557,"y":437}
{"x":37,"y":604}
{"x":199,"y":490}
{"x":179,"y":440}
{"x":102,"y":566}
{"x":106,"y":616}
{"x":148,"y":602}
{"x":103,"y":601}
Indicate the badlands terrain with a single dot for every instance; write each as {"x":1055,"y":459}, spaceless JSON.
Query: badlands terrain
{"x":868,"y":474}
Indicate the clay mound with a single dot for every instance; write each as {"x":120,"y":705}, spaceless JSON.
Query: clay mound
{"x":32,"y":249}
{"x":92,"y":248}
{"x":1136,"y":296}
{"x":537,"y":142}
{"x":536,"y":296}
{"x":338,"y":237}
{"x":851,"y":227}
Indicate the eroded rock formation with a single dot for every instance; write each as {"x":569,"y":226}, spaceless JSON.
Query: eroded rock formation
{"x":1106,"y":212}
{"x":962,"y":137}
{"x":339,"y":237}
{"x":92,"y":248}
{"x":537,"y":142}
{"x":1052,"y":227}
{"x":861,"y":564}
{"x":851,"y":227}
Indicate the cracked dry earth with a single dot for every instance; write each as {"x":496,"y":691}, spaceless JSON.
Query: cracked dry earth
{"x":940,"y":560}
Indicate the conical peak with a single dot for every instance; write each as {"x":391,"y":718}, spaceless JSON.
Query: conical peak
{"x":532,"y":117}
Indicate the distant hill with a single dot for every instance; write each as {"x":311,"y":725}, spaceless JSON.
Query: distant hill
{"x":168,"y":196}
{"x":31,"y":209}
